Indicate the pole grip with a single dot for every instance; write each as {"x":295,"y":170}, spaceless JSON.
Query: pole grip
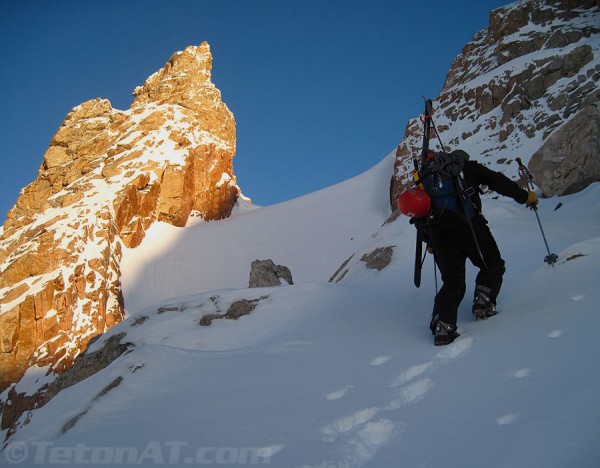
{"x":526,"y":176}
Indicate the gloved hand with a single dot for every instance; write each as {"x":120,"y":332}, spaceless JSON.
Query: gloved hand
{"x":532,"y":200}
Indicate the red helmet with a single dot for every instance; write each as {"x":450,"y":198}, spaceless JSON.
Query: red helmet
{"x":414,"y":202}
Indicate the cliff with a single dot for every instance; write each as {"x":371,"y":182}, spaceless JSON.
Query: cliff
{"x":105,"y":178}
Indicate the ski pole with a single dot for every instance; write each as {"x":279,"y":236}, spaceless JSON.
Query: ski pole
{"x":527,"y":178}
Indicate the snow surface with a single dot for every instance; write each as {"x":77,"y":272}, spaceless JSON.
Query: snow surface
{"x":340,"y":374}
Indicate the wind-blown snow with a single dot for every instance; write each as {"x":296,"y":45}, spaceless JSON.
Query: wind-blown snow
{"x":346,"y":374}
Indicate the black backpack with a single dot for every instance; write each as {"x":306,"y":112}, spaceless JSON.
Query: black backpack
{"x":444,"y":182}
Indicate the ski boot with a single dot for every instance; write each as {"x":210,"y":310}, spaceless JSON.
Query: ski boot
{"x":444,"y":333}
{"x":483,"y":306}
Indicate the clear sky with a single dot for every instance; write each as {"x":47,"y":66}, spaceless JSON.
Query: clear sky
{"x":321,"y":90}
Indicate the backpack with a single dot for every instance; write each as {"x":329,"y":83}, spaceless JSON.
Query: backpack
{"x":443,"y":180}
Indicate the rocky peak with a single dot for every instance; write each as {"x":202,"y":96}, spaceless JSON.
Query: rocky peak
{"x":185,"y":80}
{"x":188,"y":71}
{"x":534,"y":67}
{"x":105,"y":178}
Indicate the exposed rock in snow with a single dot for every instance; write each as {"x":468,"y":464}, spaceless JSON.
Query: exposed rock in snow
{"x":341,"y":271}
{"x":235,"y":311}
{"x":85,"y":365}
{"x":264,"y":273}
{"x":379,"y":258}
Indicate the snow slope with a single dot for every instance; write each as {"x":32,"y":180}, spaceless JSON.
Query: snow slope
{"x":346,"y":374}
{"x":311,"y":235}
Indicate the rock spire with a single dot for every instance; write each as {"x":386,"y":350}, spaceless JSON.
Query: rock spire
{"x":105,"y":178}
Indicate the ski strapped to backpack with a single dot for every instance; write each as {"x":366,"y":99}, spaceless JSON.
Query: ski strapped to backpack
{"x":419,"y":223}
{"x":527,"y":178}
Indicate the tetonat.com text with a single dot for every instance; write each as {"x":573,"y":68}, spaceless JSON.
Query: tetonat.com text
{"x":154,"y":453}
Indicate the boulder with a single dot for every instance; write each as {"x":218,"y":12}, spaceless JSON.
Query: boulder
{"x":264,"y":273}
{"x":569,"y":160}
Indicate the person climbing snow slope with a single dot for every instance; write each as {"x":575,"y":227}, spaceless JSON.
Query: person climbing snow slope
{"x":456,"y":230}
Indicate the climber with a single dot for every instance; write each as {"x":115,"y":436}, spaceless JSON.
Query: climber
{"x":456,"y":229}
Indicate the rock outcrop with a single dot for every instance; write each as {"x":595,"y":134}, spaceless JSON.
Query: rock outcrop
{"x":235,"y":311}
{"x":379,"y":258}
{"x":85,"y":365}
{"x":534,"y":67}
{"x":106,"y":177}
{"x":264,"y":274}
{"x":569,"y":160}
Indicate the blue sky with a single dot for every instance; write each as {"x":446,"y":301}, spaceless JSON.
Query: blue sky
{"x":321,"y":90}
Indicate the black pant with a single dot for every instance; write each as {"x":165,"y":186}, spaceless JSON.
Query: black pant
{"x":453,"y":243}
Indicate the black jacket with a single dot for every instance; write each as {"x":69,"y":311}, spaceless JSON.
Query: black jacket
{"x":477,"y":175}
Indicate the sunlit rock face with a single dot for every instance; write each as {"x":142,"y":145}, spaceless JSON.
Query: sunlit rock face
{"x":105,"y":178}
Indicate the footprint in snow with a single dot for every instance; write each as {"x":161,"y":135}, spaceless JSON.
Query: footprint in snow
{"x":456,"y":349}
{"x":359,"y":438}
{"x":507,"y":419}
{"x":361,"y":445}
{"x":411,"y":393}
{"x":410,"y":374}
{"x":521,"y":373}
{"x":380,"y":360}
{"x":338,"y":393}
{"x":334,"y":430}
